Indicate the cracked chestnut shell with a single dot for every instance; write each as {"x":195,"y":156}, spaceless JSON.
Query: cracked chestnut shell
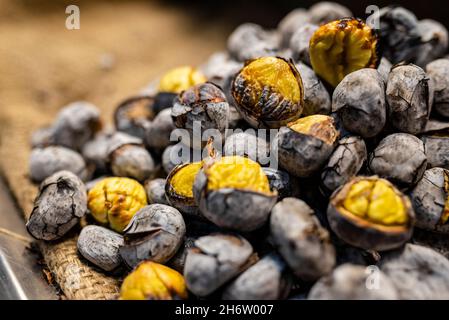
{"x":100,"y":246}
{"x":344,"y":163}
{"x":360,"y":102}
{"x":438,"y":71}
{"x":179,"y":187}
{"x":213,"y":260}
{"x":268,"y":92}
{"x":204,"y":103}
{"x":129,"y":158}
{"x":370,"y":213}
{"x":132,"y":115}
{"x":343,"y":46}
{"x":114,"y":201}
{"x":436,"y":145}
{"x":400,"y":158}
{"x":153,"y":281}
{"x":305,"y":144}
{"x":154,"y":233}
{"x":234,"y":193}
{"x":430,"y":199}
{"x":58,"y":207}
{"x":410,"y":97}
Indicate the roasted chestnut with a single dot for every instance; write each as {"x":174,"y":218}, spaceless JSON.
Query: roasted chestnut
{"x":268,"y":92}
{"x":341,"y":47}
{"x":234,"y":192}
{"x":370,"y":213}
{"x":305,"y":144}
{"x":179,"y":187}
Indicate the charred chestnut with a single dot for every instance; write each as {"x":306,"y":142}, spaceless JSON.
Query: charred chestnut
{"x":398,"y":32}
{"x":417,"y":272}
{"x":430,"y":199}
{"x":179,"y":187}
{"x":436,"y":145}
{"x":156,"y":191}
{"x":76,"y":124}
{"x":400,"y":158}
{"x":100,"y":246}
{"x":154,"y":233}
{"x":268,"y":279}
{"x":133,"y":114}
{"x":349,"y":282}
{"x":204,"y":103}
{"x":293,"y":21}
{"x":306,"y":144}
{"x":316,"y":98}
{"x":370,"y":213}
{"x":59,"y":206}
{"x":326,"y":11}
{"x":299,"y":43}
{"x":409,"y":96}
{"x":344,"y":163}
{"x":234,"y":192}
{"x":302,"y":241}
{"x":268,"y":92}
{"x":341,"y":47}
{"x":214,"y":260}
{"x":249,"y":41}
{"x":359,"y":100}
{"x":438,"y":71}
{"x":130,"y":159}
{"x":46,"y":161}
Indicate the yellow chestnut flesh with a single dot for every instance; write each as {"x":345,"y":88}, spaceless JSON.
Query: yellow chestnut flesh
{"x":319,"y":126}
{"x":268,"y":92}
{"x":376,"y":201}
{"x":341,"y":47}
{"x":153,"y":281}
{"x":182,"y":180}
{"x":180,"y":79}
{"x":114,"y":201}
{"x":238,"y":173}
{"x":275,"y":73}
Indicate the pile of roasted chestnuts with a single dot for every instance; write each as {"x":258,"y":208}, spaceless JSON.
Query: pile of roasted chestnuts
{"x":306,"y":162}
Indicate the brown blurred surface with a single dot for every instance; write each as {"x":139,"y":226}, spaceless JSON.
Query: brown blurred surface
{"x":44,"y":66}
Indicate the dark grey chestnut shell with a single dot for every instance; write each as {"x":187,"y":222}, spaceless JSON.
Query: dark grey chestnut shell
{"x":100,"y":246}
{"x":365,"y":234}
{"x":437,"y":150}
{"x":236,"y":209}
{"x":134,"y":125}
{"x":429,"y":198}
{"x":300,"y":154}
{"x":59,"y":206}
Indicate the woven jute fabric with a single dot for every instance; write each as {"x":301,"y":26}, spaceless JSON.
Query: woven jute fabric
{"x":77,"y":279}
